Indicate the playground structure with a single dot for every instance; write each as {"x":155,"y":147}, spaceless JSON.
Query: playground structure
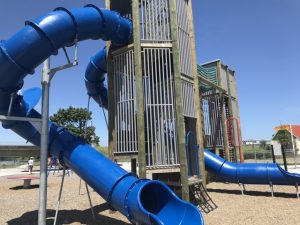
{"x":153,"y":99}
{"x":142,"y":201}
{"x":218,"y":87}
{"x":154,"y":95}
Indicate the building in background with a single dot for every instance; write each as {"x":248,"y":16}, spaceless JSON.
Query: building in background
{"x":289,"y":136}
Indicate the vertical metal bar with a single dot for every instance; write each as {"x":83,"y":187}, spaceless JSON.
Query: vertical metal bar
{"x":90,"y":201}
{"x":142,"y":20}
{"x":12,"y":97}
{"x":150,"y":16}
{"x":151,"y":127}
{"x":79,"y":186}
{"x":167,"y":11}
{"x":116,"y":102}
{"x":272,"y":189}
{"x":129,"y":101}
{"x":163,"y":20}
{"x":164,"y":99}
{"x":117,"y":94}
{"x":242,"y":188}
{"x":158,"y":105}
{"x":125,"y":103}
{"x":59,"y":196}
{"x":121,"y":104}
{"x":147,"y":87}
{"x":155,"y":27}
{"x":161,"y":108}
{"x":174,"y":119}
{"x":119,"y":97}
{"x":135,"y":99}
{"x":44,"y":144}
{"x":146,"y":19}
{"x":152,"y":55}
{"x":284,"y":158}
{"x":169,"y":101}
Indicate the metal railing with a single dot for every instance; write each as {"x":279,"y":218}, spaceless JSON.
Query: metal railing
{"x":155,"y":20}
{"x":161,"y":139}
{"x":125,"y":117}
{"x":184,"y":38}
{"x":212,"y":120}
{"x":187,"y":89}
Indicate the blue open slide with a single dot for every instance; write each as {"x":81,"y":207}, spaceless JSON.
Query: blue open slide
{"x":142,"y":201}
{"x":249,"y":173}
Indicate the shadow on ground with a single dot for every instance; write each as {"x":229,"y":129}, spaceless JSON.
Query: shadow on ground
{"x":68,"y":217}
{"x":253,"y":193}
{"x":33,"y":186}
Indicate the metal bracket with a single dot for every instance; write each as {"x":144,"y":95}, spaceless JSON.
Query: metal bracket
{"x":48,"y":74}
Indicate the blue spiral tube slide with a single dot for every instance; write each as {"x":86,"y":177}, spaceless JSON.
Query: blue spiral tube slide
{"x":142,"y":201}
{"x":249,"y":173}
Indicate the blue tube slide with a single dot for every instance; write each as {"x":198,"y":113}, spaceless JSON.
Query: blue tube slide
{"x":142,"y":201}
{"x":95,"y":77}
{"x":249,"y":173}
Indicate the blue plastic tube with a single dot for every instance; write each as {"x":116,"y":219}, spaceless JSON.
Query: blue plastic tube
{"x":142,"y":201}
{"x":95,"y":77}
{"x":249,"y":173}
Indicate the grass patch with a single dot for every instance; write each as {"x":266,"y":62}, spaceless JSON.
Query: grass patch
{"x":255,"y":148}
{"x":103,"y":150}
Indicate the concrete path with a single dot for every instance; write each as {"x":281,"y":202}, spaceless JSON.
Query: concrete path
{"x":23,"y":169}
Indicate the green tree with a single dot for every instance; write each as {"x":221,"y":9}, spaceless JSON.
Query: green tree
{"x":284,"y":138}
{"x":262,"y":144}
{"x":75,"y":120}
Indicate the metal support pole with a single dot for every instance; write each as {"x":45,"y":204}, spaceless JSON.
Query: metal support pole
{"x":79,"y":186}
{"x":297,"y":190}
{"x":272,"y":189}
{"x":12,"y":97}
{"x":59,"y":196}
{"x":90,"y":201}
{"x":273,"y":155}
{"x":284,"y":157}
{"x":293,"y":146}
{"x":242,"y":187}
{"x":44,"y":144}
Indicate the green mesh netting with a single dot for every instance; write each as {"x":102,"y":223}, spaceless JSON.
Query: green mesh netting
{"x":210,"y":74}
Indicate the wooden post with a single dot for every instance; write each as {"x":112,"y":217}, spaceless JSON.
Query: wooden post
{"x":231,"y":110}
{"x":197,"y":94}
{"x":239,"y":120}
{"x":111,"y":100}
{"x":133,"y":165}
{"x":139,"y":89}
{"x":180,"y":127}
{"x":223,"y":116}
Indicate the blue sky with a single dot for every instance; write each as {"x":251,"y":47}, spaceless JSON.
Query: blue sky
{"x":258,"y":38}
